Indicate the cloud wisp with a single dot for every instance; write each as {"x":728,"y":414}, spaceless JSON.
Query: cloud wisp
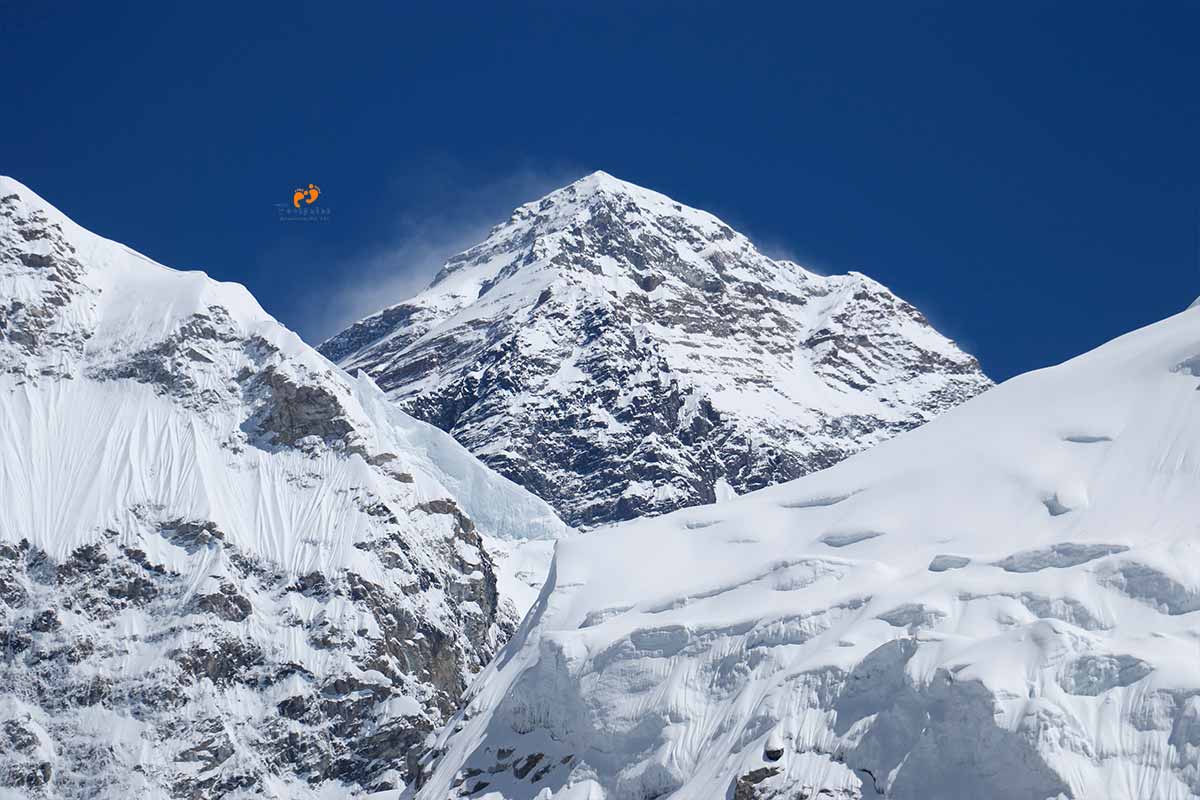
{"x":451,"y":219}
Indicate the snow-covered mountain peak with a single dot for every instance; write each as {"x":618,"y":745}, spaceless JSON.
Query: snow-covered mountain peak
{"x":600,"y":188}
{"x":600,"y":225}
{"x":621,"y":354}
{"x":79,"y":305}
{"x":601,"y":182}
{"x":226,"y":567}
{"x":77,"y":295}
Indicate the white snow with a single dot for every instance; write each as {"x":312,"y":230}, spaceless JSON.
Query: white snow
{"x":604,"y":288}
{"x":100,"y":447}
{"x":999,"y":604}
{"x":78,"y":455}
{"x":729,"y":371}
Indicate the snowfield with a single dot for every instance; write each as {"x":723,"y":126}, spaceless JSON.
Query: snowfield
{"x":1003,"y":603}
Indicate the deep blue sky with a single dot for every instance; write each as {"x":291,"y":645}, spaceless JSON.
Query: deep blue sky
{"x":1026,"y":173}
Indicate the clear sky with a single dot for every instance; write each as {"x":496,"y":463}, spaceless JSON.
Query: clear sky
{"x":1026,"y":173}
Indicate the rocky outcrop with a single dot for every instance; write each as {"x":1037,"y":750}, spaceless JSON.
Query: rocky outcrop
{"x":370,"y":675}
{"x":33,"y":313}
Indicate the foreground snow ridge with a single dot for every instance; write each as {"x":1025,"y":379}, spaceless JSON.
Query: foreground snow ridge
{"x":1001,"y":604}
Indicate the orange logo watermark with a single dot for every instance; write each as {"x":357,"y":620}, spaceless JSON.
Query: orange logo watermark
{"x":309,"y":195}
{"x":304,"y":207}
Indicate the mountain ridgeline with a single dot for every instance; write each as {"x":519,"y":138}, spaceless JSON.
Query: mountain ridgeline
{"x":999,"y":605}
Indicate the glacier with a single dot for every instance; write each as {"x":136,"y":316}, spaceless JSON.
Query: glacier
{"x":1000,"y":604}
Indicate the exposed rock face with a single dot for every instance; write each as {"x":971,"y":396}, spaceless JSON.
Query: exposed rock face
{"x":621,"y":355}
{"x":368,"y":675}
{"x":34,"y":247}
{"x":226,"y":569}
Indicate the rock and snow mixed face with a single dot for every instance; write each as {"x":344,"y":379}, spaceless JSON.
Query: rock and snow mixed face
{"x":1001,"y":604}
{"x":621,"y":355}
{"x":226,"y":569}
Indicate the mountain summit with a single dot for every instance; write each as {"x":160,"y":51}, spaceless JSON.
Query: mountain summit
{"x":621,"y":355}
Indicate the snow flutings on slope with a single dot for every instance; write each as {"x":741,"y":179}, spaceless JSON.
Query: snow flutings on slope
{"x":1000,"y":604}
{"x":620,"y":355}
{"x":226,"y":568}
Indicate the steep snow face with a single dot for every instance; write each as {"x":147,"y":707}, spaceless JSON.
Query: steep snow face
{"x":226,"y":569}
{"x":620,"y":355}
{"x":1000,"y":604}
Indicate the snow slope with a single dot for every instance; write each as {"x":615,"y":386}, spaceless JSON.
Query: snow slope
{"x":226,"y":568}
{"x":620,"y":354}
{"x":1003,"y":603}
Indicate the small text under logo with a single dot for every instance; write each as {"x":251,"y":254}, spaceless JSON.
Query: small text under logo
{"x":304,"y":207}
